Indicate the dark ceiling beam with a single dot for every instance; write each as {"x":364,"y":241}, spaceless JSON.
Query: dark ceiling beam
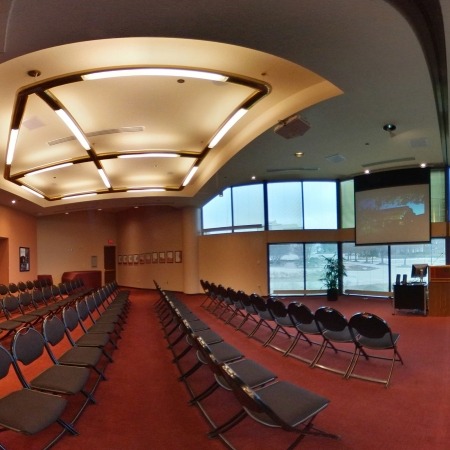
{"x":425,"y":19}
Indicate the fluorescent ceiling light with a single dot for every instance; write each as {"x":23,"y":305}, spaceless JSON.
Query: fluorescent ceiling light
{"x":155,"y":71}
{"x":137,"y":191}
{"x":74,"y":128}
{"x":228,"y":125}
{"x":150,"y":155}
{"x":47,"y":169}
{"x":13,"y":135}
{"x":190,"y":175}
{"x":104,"y":178}
{"x":37,"y":194}
{"x":69,"y":197}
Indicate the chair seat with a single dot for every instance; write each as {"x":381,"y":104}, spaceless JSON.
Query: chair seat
{"x":379,"y":343}
{"x":81,"y":356}
{"x":61,"y":379}
{"x":338,"y":336}
{"x":30,"y":411}
{"x":293,"y":404}
{"x":250,"y":372}
{"x":93,"y":340}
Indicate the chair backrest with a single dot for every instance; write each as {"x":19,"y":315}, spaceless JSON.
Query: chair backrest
{"x":369,"y":325}
{"x":53,"y":329}
{"x":11,"y":305}
{"x":22,"y":286}
{"x":82,"y":310}
{"x":26,"y":300}
{"x":330,"y":319}
{"x":38,"y":298}
{"x":30,"y":285}
{"x":5,"y":362}
{"x":4,"y":289}
{"x":246,"y":302}
{"x":300,"y":313}
{"x":27,"y":345}
{"x":13,"y":289}
{"x":70,"y":318}
{"x":262,"y":306}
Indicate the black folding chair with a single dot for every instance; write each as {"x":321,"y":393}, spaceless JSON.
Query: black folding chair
{"x":335,"y":329}
{"x":29,"y":411}
{"x":280,"y":404}
{"x":373,"y":333}
{"x":28,"y":347}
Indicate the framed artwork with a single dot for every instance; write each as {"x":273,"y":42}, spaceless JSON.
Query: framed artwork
{"x":136,"y":259}
{"x":142,"y":258}
{"x":148,"y":258}
{"x":162,"y":257}
{"x":120,"y":259}
{"x":94,"y":262}
{"x":178,"y":256}
{"x":130,"y":259}
{"x":24,"y":259}
{"x":154,"y":257}
{"x":169,"y":257}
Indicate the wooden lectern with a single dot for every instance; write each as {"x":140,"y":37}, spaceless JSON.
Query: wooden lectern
{"x":439,"y":291}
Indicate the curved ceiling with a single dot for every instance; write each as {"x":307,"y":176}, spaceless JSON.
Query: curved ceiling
{"x":344,"y":74}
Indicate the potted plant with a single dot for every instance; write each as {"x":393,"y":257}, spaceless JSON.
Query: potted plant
{"x":333,"y":272}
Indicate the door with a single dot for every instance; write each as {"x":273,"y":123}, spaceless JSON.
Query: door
{"x":109,"y":254}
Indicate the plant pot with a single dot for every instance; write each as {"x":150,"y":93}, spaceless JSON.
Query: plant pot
{"x":332,"y":295}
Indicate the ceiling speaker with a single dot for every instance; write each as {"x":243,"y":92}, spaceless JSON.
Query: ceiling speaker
{"x":292,"y":127}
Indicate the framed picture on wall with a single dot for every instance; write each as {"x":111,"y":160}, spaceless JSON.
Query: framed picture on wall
{"x":24,"y":259}
{"x":148,"y":258}
{"x":142,"y":258}
{"x":120,"y":259}
{"x":136,"y":259}
{"x":178,"y":256}
{"x":155,"y":257}
{"x":169,"y":256}
{"x":130,"y":259}
{"x":162,"y":257}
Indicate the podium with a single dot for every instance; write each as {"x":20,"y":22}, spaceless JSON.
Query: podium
{"x":411,"y":296}
{"x":439,"y":291}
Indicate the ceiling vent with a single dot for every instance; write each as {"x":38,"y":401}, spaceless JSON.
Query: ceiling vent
{"x":335,"y":159}
{"x":292,"y":127}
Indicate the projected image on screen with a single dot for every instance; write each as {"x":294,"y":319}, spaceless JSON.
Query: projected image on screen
{"x":396,"y":214}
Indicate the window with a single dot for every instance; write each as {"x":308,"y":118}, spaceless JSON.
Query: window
{"x":284,"y":202}
{"x":320,"y":205}
{"x":216,"y":214}
{"x":248,"y":208}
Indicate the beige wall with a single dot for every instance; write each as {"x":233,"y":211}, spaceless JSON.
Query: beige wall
{"x":240,"y":259}
{"x":17,"y":229}
{"x":68,"y":241}
{"x":148,"y":230}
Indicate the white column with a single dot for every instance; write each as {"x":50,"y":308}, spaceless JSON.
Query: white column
{"x":191,"y":231}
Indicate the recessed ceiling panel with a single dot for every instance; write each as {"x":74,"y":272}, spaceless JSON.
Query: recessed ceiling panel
{"x":181,"y":114}
{"x":75,"y":179}
{"x":40,"y":126}
{"x":147,"y":172}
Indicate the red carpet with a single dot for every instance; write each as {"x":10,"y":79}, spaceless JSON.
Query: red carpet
{"x":143,"y":406}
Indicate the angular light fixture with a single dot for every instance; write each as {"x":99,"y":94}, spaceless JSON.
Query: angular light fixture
{"x":104,"y":178}
{"x":137,"y":191}
{"x":70,"y":197}
{"x":74,"y":128}
{"x":189,"y":176}
{"x":32,"y":191}
{"x":150,"y":155}
{"x":13,"y":135}
{"x":227,"y":126}
{"x":47,"y":169}
{"x":155,"y":71}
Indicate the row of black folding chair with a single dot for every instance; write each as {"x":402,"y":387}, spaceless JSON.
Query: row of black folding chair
{"x":249,"y":381}
{"x":40,"y":402}
{"x":363,"y":332}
